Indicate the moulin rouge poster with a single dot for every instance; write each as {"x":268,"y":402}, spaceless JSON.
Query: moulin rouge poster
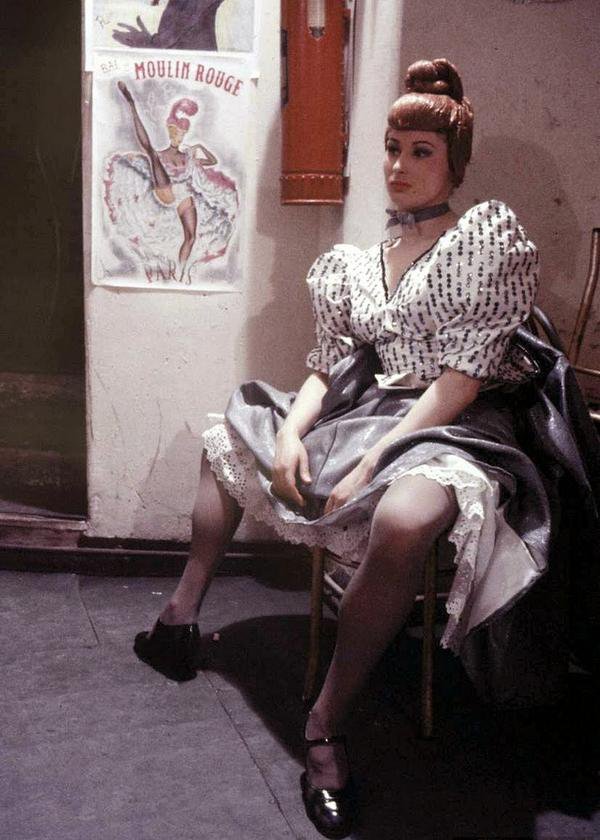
{"x":168,"y":169}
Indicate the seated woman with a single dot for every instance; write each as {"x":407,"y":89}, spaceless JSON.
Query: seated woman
{"x":378,"y":468}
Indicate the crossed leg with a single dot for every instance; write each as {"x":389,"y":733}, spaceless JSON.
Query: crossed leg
{"x":411,"y":515}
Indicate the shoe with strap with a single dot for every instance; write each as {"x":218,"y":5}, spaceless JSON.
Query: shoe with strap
{"x":331,"y":811}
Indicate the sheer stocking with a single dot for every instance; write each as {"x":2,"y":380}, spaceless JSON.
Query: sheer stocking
{"x":189,"y":219}
{"x":160,"y":179}
{"x":214,"y":520}
{"x":411,"y":515}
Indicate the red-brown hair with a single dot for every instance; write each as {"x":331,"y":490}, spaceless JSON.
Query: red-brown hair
{"x":434,"y":101}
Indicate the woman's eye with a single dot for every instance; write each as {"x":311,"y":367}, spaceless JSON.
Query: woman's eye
{"x":421,"y":152}
{"x":392,"y":150}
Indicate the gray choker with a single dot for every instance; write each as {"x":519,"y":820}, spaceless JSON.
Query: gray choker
{"x":409,"y":219}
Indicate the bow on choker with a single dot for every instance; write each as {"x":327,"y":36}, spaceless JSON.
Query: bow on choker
{"x":395,"y":217}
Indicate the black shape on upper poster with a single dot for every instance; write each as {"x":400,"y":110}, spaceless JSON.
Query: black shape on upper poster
{"x":184,"y":25}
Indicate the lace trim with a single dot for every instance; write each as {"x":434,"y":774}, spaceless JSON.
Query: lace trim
{"x":465,"y":536}
{"x":231,"y":461}
{"x":235,"y":466}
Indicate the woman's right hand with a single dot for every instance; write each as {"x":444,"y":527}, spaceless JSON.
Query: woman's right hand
{"x":291,"y":460}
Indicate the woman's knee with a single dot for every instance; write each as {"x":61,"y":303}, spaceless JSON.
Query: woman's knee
{"x":412,"y":514}
{"x":215,"y":513}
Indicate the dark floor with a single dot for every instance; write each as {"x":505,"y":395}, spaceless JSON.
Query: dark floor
{"x":97,"y":746}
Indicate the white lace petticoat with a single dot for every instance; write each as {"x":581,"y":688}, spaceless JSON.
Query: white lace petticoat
{"x":493,"y":565}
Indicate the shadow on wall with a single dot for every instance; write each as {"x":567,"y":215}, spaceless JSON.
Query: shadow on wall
{"x":278,"y":333}
{"x":169,"y":478}
{"x":166,"y":497}
{"x":506,"y":168}
{"x":281,"y":332}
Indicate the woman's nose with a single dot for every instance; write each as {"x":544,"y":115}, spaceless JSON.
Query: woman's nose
{"x":400,"y":163}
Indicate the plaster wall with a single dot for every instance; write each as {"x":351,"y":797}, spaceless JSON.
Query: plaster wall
{"x":159,"y":362}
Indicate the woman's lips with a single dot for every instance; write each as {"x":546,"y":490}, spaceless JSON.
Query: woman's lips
{"x":399,"y":186}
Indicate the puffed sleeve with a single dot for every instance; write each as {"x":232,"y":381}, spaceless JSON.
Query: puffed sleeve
{"x":486,"y":283}
{"x":329,"y":285}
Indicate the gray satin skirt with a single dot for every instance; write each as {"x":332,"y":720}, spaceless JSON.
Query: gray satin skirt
{"x":501,"y":536}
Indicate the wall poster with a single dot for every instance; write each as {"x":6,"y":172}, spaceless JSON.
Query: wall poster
{"x":168,"y":169}
{"x":219,"y":25}
{"x":170,"y":97}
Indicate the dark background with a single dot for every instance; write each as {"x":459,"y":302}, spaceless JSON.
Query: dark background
{"x":41,"y":280}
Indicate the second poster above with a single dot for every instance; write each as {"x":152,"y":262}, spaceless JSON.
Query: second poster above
{"x":219,"y":25}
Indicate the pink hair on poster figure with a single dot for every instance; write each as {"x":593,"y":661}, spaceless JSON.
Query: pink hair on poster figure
{"x":189,"y":107}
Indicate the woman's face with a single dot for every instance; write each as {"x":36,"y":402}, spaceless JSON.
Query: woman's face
{"x":416,"y":168}
{"x":176,"y":135}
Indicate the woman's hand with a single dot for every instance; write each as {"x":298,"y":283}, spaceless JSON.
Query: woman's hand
{"x":438,"y":405}
{"x":290,"y":460}
{"x":354,"y":482}
{"x":132,"y":37}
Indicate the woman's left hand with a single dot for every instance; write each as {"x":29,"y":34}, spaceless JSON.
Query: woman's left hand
{"x":353,"y":483}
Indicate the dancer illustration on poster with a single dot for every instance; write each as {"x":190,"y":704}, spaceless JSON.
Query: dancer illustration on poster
{"x":171,"y":209}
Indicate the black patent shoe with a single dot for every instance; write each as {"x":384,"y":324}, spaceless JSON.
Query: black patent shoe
{"x":171,"y":649}
{"x":332,"y":812}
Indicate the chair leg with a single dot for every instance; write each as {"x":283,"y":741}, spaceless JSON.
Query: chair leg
{"x":429,"y":602}
{"x":316,"y":617}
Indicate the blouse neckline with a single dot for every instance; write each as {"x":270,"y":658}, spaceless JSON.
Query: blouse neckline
{"x":410,"y":266}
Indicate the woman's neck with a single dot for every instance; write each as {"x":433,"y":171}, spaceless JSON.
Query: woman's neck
{"x":428,"y":229}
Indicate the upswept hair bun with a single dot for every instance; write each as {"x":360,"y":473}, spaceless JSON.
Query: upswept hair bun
{"x":438,"y":76}
{"x":434,"y":101}
{"x":182,"y":106}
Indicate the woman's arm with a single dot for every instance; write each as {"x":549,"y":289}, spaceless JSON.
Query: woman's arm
{"x":208,"y":160}
{"x":290,"y":454}
{"x":439,"y":405}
